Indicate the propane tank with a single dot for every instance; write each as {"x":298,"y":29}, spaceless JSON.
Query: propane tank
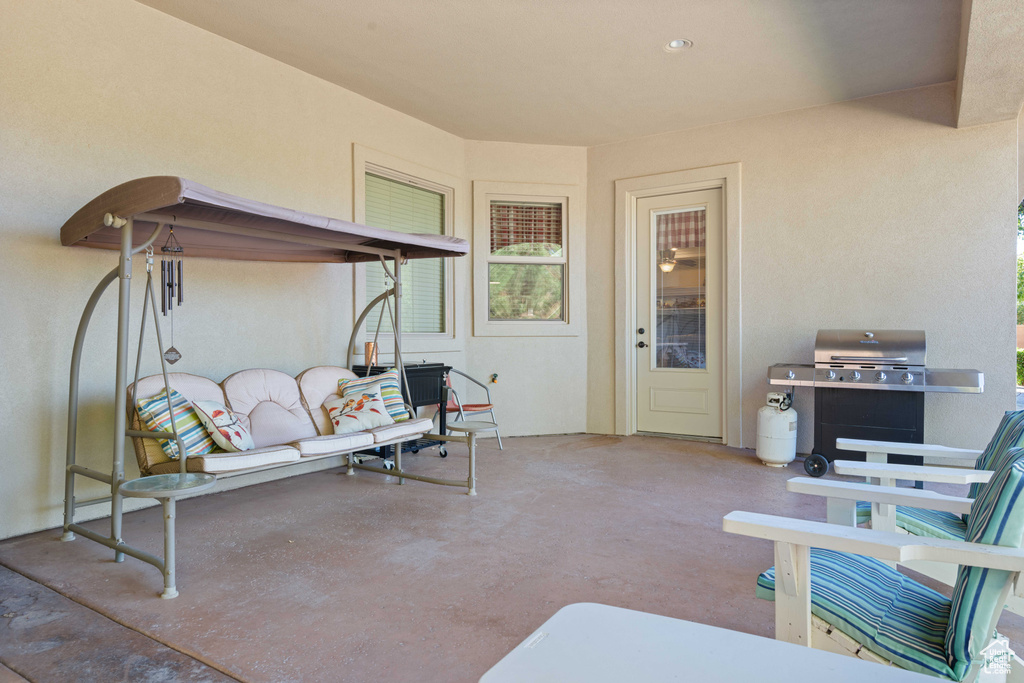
{"x":776,"y":431}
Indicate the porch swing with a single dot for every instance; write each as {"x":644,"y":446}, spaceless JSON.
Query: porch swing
{"x":202,"y":222}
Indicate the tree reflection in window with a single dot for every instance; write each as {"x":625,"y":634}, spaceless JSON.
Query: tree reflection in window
{"x":522,"y":291}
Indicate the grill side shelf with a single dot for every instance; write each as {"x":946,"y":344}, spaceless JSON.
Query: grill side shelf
{"x":954,"y":381}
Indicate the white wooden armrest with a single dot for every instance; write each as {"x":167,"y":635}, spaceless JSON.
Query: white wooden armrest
{"x":939,"y":475}
{"x":882,"y":545}
{"x":932,"y":454}
{"x":917,"y":498}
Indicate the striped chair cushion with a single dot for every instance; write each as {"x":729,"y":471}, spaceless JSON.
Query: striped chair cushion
{"x":1009,"y":434}
{"x":893,"y":616}
{"x":157,"y":418}
{"x":921,"y":522}
{"x":997,"y":518}
{"x":389,"y":391}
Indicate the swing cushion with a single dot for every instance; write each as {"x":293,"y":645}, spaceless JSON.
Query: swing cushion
{"x":389,"y":392}
{"x":224,"y":427}
{"x":222,"y":462}
{"x":356,"y":413}
{"x":317,"y":385}
{"x":157,"y":418}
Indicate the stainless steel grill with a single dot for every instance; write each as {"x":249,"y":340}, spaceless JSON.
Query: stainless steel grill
{"x":890,"y":365}
{"x":879,"y":359}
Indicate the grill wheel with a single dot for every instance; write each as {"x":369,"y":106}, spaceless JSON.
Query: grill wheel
{"x":816,"y":465}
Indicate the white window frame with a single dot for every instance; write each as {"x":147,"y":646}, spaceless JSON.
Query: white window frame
{"x":366,"y":160}
{"x":573,"y":292}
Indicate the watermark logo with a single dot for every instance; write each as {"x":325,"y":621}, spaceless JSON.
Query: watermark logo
{"x":997,"y":657}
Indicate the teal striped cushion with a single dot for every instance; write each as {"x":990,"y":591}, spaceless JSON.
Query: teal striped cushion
{"x":389,"y":391}
{"x":157,"y":418}
{"x":921,"y":522}
{"x":1009,"y":434}
{"x":997,"y":518}
{"x":863,"y":512}
{"x":886,"y":612}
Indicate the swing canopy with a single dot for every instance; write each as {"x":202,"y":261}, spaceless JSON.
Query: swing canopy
{"x":219,"y":225}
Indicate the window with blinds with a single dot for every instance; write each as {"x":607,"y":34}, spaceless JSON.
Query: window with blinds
{"x":526,"y":263}
{"x":398,"y":206}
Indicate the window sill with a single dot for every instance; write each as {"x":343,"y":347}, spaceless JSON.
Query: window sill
{"x":516,"y":328}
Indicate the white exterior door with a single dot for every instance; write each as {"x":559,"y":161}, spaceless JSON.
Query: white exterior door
{"x":679,"y":313}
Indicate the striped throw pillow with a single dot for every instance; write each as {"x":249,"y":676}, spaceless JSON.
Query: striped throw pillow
{"x":157,"y":418}
{"x":389,"y":391}
{"x":997,"y":518}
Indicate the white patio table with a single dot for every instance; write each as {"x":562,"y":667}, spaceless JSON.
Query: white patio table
{"x":592,"y":643}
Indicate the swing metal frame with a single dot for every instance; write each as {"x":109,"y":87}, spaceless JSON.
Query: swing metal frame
{"x":168,"y":487}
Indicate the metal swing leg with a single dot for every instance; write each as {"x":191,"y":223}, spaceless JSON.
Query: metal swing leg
{"x":170,"y":591}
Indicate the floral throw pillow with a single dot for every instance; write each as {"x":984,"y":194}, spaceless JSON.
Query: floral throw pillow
{"x":356,"y":412}
{"x":157,"y":418}
{"x":224,"y":427}
{"x":386,"y":383}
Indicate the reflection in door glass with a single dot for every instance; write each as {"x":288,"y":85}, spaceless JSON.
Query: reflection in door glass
{"x":680,"y":327}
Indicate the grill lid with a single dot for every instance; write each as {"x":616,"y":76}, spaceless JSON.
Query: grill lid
{"x":881,"y":347}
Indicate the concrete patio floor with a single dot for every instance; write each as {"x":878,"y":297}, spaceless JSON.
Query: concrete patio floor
{"x":325,"y":577}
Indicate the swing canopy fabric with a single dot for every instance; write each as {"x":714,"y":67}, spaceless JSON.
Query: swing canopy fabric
{"x":219,"y":225}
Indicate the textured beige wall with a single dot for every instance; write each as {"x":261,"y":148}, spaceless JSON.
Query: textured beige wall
{"x":544,"y":378}
{"x":873,"y":213}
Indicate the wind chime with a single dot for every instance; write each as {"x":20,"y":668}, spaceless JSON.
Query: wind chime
{"x":171,"y":280}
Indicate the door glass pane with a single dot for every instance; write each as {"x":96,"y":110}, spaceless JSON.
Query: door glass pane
{"x":679,"y":292}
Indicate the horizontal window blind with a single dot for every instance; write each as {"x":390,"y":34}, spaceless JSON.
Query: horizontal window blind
{"x":526,"y":229}
{"x":394,"y":205}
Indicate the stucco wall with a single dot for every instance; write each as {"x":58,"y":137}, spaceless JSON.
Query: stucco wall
{"x":96,"y":93}
{"x":540,"y":372}
{"x":870,"y":213}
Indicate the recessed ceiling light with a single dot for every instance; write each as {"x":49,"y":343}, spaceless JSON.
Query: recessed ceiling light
{"x":678,"y":44}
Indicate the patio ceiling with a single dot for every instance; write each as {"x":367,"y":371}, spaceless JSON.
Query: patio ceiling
{"x":586,"y":72}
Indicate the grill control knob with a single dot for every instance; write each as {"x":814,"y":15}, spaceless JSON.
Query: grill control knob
{"x":906,"y":378}
{"x":879,"y":376}
{"x":790,"y":375}
{"x":854,"y":376}
{"x":831,"y":374}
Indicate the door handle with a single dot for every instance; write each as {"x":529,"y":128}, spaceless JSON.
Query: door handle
{"x":641,"y":345}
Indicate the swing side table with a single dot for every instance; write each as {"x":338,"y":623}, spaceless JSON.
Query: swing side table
{"x":166,"y":488}
{"x":471,"y":428}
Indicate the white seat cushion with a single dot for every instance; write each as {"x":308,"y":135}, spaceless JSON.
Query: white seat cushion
{"x":267,"y":403}
{"x":193,"y":387}
{"x":399,"y":429}
{"x":320,"y":384}
{"x":219,"y":462}
{"x":333,"y":443}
